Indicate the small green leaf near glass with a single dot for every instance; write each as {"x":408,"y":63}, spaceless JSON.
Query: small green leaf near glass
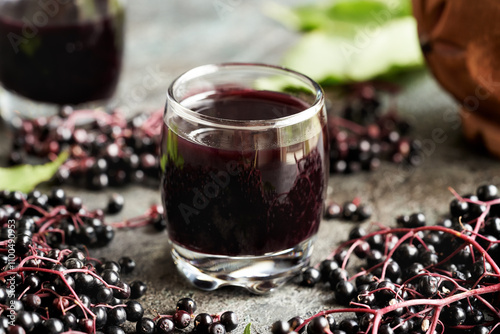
{"x":247,"y":328}
{"x":26,"y":177}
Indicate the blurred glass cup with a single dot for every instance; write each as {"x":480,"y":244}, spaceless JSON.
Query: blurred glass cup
{"x":59,"y":52}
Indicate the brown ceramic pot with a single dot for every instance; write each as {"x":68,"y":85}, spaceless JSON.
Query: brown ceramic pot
{"x":461,"y":43}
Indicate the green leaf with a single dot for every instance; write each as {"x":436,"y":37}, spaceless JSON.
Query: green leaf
{"x":87,"y":9}
{"x":26,"y":177}
{"x":172,"y":152}
{"x":163,"y":162}
{"x":351,"y":40}
{"x":364,"y":11}
{"x":247,"y":328}
{"x":332,"y":59}
{"x":344,"y":16}
{"x":31,"y":45}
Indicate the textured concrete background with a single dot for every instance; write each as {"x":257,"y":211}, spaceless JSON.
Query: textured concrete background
{"x":164,"y":39}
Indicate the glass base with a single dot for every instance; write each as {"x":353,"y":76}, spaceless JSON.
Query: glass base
{"x":13,"y":105}
{"x":258,"y":274}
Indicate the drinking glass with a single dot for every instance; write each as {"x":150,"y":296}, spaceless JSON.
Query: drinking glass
{"x":58,"y":52}
{"x":244,"y":171}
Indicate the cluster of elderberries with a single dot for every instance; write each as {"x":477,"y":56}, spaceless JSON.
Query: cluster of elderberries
{"x":50,"y":284}
{"x":351,"y":210}
{"x":57,"y":220}
{"x":105,"y":149}
{"x":415,"y":278}
{"x":65,"y":290}
{"x":204,"y":323}
{"x":362,"y":135}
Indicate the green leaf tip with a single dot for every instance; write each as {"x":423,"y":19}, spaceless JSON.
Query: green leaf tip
{"x":247,"y":328}
{"x":26,"y":177}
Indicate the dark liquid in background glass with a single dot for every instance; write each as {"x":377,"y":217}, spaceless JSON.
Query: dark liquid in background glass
{"x":63,"y":64}
{"x":229,"y":202}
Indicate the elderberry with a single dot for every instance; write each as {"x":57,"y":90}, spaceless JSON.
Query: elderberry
{"x":116,"y":316}
{"x":134,"y":310}
{"x":487,"y":192}
{"x":201,"y":322}
{"x":229,"y":320}
{"x":295,"y":322}
{"x":137,"y":289}
{"x":16,"y":329}
{"x":110,"y":276}
{"x":53,"y":326}
{"x":350,"y":326}
{"x":326,"y":268}
{"x":101,"y":316}
{"x":333,"y":211}
{"x":318,"y":325}
{"x":348,"y":210}
{"x":362,"y":213}
{"x":127,"y":265}
{"x":453,"y":315}
{"x":25,"y":320}
{"x":216,"y":328}
{"x":145,"y":326}
{"x":310,"y":277}
{"x":428,"y":285}
{"x":280,"y":327}
{"x":115,"y":203}
{"x":186,"y":304}
{"x":481,"y":330}
{"x":345,"y":291}
{"x":166,"y":326}
{"x":181,"y":319}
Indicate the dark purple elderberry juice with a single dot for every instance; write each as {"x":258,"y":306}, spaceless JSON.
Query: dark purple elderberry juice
{"x":63,"y":63}
{"x":236,"y":202}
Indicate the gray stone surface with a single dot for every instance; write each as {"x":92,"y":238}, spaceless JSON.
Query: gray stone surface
{"x":166,"y":38}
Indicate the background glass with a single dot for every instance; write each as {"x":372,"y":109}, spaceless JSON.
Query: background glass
{"x":245,"y":164}
{"x":59,"y":52}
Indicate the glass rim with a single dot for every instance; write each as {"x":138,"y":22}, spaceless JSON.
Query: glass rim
{"x":278,"y":122}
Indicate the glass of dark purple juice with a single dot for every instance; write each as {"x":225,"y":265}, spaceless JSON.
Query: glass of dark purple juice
{"x":55,"y":53}
{"x":244,"y":173}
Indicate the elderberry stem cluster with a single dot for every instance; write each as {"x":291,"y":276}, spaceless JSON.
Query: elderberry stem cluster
{"x":362,"y":135}
{"x":48,"y":282}
{"x":185,"y":309}
{"x":415,"y":278}
{"x":105,"y":149}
